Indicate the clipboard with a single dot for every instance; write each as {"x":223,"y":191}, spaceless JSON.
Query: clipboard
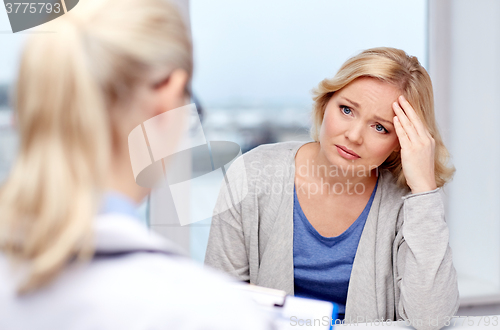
{"x":289,"y":312}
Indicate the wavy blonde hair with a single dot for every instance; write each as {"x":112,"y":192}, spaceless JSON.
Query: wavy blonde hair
{"x":395,"y":67}
{"x":67,"y":84}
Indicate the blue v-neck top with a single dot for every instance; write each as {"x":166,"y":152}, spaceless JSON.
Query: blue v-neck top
{"x":322,"y":265}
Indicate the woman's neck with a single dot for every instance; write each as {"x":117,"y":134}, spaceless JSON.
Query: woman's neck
{"x":313,"y":166}
{"x":121,"y":178}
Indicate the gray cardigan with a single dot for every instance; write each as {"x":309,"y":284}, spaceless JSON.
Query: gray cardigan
{"x":403,"y":267}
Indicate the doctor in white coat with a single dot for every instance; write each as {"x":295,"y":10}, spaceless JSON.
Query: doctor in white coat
{"x":73,"y":255}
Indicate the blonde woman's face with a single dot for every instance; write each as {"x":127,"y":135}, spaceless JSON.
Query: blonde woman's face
{"x":358,"y":127}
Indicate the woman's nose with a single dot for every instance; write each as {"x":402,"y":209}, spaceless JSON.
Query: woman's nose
{"x":355,"y":133}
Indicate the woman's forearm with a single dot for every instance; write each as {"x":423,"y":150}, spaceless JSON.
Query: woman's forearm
{"x":425,"y":275}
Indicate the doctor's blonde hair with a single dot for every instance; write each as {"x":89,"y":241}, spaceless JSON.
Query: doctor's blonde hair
{"x":395,"y":67}
{"x":68,"y":81}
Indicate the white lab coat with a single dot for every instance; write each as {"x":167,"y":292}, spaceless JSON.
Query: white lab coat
{"x":139,"y":283}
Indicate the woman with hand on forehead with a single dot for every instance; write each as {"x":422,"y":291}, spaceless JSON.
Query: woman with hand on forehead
{"x":359,"y":219}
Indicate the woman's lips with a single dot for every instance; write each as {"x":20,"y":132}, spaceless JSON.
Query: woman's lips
{"x":347,"y":153}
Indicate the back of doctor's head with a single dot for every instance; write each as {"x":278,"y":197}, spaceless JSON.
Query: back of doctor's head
{"x":68,"y":82}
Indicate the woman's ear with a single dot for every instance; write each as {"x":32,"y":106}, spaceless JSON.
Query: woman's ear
{"x":172,"y":93}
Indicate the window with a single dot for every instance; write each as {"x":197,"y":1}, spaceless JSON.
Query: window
{"x":256,"y":62}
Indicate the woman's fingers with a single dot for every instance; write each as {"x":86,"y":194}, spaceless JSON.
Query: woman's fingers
{"x":417,"y":147}
{"x":404,"y":141}
{"x":412,"y":116}
{"x":406,"y":124}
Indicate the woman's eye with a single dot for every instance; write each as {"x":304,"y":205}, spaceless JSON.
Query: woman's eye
{"x":345,"y":110}
{"x":380,"y":128}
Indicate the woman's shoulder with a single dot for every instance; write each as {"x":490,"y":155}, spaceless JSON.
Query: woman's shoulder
{"x":274,"y":151}
{"x":271,"y":162}
{"x":157,"y":281}
{"x":138,"y":286}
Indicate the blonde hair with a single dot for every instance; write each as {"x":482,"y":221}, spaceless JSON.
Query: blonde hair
{"x":395,"y":67}
{"x":68,"y":82}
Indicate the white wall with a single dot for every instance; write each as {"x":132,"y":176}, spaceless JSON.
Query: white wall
{"x":465,"y":66}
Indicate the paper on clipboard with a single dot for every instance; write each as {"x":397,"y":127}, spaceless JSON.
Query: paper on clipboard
{"x":290,"y":312}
